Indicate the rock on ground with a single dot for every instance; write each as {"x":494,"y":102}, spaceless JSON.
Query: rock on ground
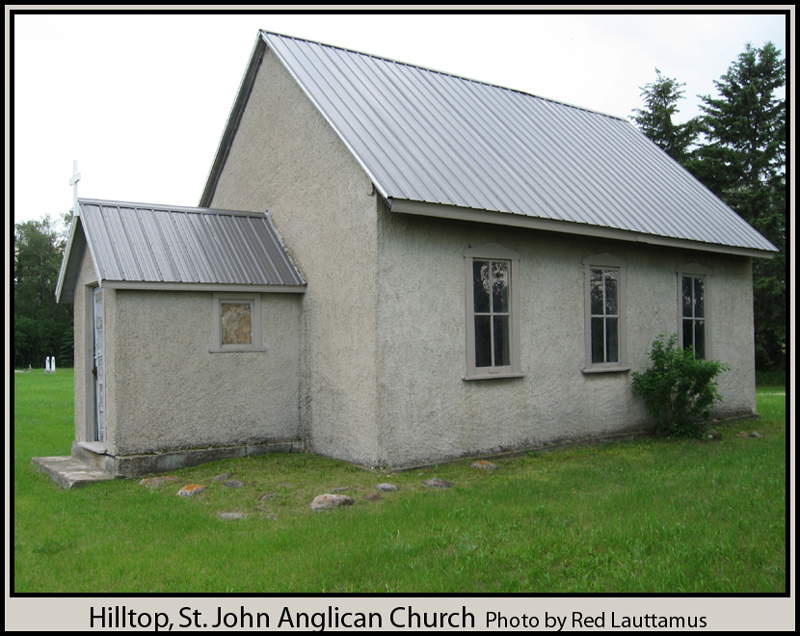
{"x":435,"y":482}
{"x":329,"y":502}
{"x":155,"y":482}
{"x":191,"y":489}
{"x":231,"y":515}
{"x":482,"y":464}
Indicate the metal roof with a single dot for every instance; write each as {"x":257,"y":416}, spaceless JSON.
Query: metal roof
{"x":170,"y":247}
{"x":426,"y":136}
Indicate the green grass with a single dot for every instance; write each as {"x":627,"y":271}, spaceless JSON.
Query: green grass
{"x":650,"y":516}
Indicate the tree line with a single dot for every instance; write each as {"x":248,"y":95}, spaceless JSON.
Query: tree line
{"x":42,"y":328}
{"x":736,"y":148}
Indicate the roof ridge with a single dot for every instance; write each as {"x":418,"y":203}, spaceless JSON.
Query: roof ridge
{"x":263,"y":32}
{"x":170,"y":208}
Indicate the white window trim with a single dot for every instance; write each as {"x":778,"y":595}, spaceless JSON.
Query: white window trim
{"x":493,"y":251}
{"x":695,"y":270}
{"x":605,"y":261}
{"x":257,"y":344}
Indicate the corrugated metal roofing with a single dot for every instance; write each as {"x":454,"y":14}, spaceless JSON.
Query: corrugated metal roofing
{"x":426,"y":136}
{"x":139,"y":243}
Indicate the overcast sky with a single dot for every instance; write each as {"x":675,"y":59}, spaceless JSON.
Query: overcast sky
{"x":141,"y":100}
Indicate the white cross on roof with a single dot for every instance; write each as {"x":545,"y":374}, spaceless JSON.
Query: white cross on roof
{"x":73,"y":181}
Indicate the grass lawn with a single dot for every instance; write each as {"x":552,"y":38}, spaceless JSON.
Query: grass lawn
{"x":649,"y":516}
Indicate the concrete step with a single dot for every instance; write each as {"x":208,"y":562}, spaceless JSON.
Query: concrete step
{"x":69,"y":472}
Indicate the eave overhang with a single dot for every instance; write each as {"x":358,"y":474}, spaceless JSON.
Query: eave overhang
{"x":492,"y":217}
{"x":221,"y":287}
{"x":71,"y":262}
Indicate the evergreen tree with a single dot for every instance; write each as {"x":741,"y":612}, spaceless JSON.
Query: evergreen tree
{"x":743,"y":162}
{"x":656,"y":118}
{"x":41,"y":327}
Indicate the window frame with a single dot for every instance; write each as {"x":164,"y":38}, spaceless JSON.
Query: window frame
{"x":493,"y":252}
{"x":695,"y":271}
{"x":256,"y":344}
{"x":606,"y":262}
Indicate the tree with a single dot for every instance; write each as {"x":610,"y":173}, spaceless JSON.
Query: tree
{"x":743,"y":161}
{"x":656,"y":118}
{"x":41,"y":327}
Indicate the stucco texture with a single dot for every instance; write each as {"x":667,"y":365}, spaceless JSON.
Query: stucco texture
{"x":166,"y":389}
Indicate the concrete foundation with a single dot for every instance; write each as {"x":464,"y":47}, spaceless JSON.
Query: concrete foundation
{"x":90,"y":463}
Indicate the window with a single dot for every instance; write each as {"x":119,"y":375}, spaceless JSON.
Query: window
{"x":693,"y":308}
{"x":604,"y":314}
{"x":237,"y":323}
{"x":492,"y":312}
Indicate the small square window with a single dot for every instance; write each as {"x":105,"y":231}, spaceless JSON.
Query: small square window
{"x":236,"y":323}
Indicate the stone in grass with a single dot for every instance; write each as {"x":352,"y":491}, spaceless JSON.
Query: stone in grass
{"x":329,"y":502}
{"x":155,"y":482}
{"x":191,"y":489}
{"x":228,"y":516}
{"x":373,"y":496}
{"x":386,"y":487}
{"x":222,"y":477}
{"x":745,"y":434}
{"x":482,"y":464}
{"x":435,"y":482}
{"x":233,"y":483}
{"x":713,"y":434}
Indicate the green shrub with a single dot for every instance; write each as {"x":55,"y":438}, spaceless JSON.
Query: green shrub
{"x":679,"y":389}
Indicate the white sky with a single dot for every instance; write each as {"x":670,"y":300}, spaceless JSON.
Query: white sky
{"x":141,"y":100}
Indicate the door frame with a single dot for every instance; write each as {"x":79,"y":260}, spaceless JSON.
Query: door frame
{"x":91,"y":394}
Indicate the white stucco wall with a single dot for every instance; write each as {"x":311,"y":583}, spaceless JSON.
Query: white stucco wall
{"x":429,"y":413}
{"x":287,"y":160}
{"x":165,"y":389}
